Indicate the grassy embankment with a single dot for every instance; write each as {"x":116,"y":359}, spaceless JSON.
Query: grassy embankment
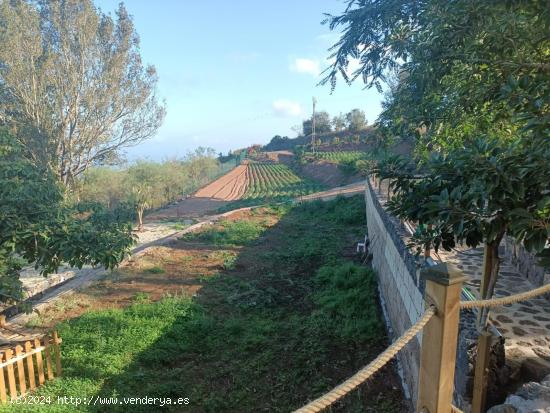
{"x":270,"y":312}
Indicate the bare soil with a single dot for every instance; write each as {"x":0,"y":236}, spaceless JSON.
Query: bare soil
{"x":229,"y":187}
{"x":328,"y":173}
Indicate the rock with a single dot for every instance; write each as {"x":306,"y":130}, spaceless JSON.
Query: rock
{"x":534,"y":391}
{"x":530,"y":398}
{"x":503,"y":408}
{"x":535,"y":368}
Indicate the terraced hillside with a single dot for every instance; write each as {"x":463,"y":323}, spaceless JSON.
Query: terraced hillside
{"x":269,"y":180}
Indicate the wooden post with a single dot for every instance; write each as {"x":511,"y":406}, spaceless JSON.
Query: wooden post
{"x":479,"y":395}
{"x":30,"y":365}
{"x":439,"y":338}
{"x":11,"y":375}
{"x":20,"y":370}
{"x":57,"y":342}
{"x":39,"y":363}
{"x":47,"y":352}
{"x":3,"y":395}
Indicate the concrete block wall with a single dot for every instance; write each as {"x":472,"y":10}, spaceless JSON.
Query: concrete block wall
{"x":402,"y":293}
{"x":400,"y":288}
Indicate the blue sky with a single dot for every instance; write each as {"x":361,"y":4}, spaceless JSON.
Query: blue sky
{"x":234,"y":73}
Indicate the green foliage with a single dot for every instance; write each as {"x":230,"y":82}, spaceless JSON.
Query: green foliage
{"x":348,"y":301}
{"x":91,"y":94}
{"x":270,"y":328}
{"x":278,"y":143}
{"x":146,"y":185}
{"x":476,"y":194}
{"x":38,"y":226}
{"x":229,"y":233}
{"x":356,"y":120}
{"x":155,"y":270}
{"x":322,"y":124}
{"x":449,"y":85}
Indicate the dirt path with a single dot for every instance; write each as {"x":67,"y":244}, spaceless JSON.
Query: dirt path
{"x":347,"y":190}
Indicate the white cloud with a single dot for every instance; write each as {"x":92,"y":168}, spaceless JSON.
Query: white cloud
{"x":286,"y":108}
{"x":353,"y":65}
{"x":308,"y":66}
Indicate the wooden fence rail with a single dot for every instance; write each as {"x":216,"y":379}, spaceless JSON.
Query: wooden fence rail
{"x":28,"y":365}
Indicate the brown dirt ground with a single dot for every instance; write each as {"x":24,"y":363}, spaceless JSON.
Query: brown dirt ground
{"x":157,"y":271}
{"x":229,"y":187}
{"x":328,"y":173}
{"x":193,"y":207}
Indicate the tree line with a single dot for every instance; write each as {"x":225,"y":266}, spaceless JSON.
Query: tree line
{"x":146,"y":185}
{"x":74,"y":93}
{"x":353,"y":121}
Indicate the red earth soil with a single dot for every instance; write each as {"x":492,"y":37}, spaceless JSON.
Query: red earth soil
{"x":229,"y":187}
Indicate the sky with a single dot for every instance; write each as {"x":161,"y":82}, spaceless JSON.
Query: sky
{"x":236,"y":73}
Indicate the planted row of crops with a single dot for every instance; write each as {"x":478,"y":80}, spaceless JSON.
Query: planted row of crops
{"x":276,"y":181}
{"x":338,"y":157}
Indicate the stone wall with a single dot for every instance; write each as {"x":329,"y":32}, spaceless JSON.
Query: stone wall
{"x":526,"y":263}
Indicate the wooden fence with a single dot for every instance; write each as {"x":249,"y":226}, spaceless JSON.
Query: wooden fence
{"x":28,"y":365}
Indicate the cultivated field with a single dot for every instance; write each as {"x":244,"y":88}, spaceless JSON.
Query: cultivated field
{"x":229,"y":187}
{"x":268,"y":180}
{"x":338,"y":156}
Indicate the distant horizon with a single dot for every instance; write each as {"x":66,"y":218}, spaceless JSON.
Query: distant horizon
{"x":246,"y":78}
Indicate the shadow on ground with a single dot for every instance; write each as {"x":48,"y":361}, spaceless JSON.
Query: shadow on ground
{"x":265,"y":334}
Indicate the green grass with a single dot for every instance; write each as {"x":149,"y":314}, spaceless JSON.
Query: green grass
{"x":155,"y":270}
{"x":340,"y":157}
{"x":228,"y":233}
{"x":289,"y":321}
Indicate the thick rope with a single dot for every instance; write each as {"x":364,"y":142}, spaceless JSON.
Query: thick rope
{"x":495,"y":302}
{"x":362,"y":375}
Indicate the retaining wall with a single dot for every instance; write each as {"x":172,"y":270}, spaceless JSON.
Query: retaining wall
{"x":402,"y":291}
{"x":400,"y":288}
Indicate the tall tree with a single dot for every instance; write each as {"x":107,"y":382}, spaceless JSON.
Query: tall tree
{"x":464,"y":68}
{"x":339,"y":122}
{"x":356,"y":120}
{"x":73,"y":88}
{"x":322,"y":124}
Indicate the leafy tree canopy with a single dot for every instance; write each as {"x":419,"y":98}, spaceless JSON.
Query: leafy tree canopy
{"x":73,"y":88}
{"x":454,"y":70}
{"x":322,"y":124}
{"x":37,"y":225}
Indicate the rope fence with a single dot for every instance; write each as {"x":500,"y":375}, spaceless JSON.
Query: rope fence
{"x":366,"y":372}
{"x":362,"y":375}
{"x":511,"y":299}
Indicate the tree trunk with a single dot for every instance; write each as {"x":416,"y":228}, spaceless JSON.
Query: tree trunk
{"x":489,"y":276}
{"x":140,"y":219}
{"x":491,"y":266}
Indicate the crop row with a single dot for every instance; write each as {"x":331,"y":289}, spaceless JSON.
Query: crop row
{"x":339,"y":156}
{"x":276,"y":181}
